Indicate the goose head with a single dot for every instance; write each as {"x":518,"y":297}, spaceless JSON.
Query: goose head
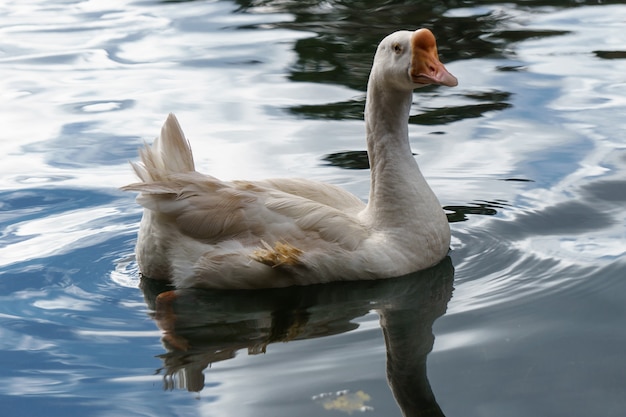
{"x":409,"y":60}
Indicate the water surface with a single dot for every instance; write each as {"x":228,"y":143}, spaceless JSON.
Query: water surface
{"x":527,"y":155}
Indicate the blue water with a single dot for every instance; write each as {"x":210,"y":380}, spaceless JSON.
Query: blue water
{"x":527,"y":154}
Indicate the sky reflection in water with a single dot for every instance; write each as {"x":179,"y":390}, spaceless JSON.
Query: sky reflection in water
{"x":527,"y":155}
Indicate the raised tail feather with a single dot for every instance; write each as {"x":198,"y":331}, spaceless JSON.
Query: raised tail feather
{"x":169,"y":154}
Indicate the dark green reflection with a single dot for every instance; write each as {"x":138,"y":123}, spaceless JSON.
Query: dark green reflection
{"x":610,"y":54}
{"x":486,"y":208}
{"x":344,"y":110}
{"x":348,"y":159}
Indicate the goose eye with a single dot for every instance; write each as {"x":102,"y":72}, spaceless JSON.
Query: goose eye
{"x":397,"y":48}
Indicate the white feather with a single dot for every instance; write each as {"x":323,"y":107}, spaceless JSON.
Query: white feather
{"x":198,"y":231}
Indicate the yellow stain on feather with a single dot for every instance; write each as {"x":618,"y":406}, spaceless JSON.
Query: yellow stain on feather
{"x":280,"y":254}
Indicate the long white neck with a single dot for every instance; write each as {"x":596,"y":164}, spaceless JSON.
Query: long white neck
{"x":399,"y":195}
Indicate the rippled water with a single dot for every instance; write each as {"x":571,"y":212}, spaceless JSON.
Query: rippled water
{"x":528,"y":155}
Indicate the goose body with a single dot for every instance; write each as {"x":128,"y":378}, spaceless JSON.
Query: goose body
{"x":199,"y":231}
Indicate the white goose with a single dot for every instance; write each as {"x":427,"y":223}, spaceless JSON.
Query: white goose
{"x":198,"y":231}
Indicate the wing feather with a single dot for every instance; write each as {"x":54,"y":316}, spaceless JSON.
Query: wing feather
{"x":212,"y":210}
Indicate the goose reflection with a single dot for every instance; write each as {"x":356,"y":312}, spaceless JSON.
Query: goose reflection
{"x":202,"y":327}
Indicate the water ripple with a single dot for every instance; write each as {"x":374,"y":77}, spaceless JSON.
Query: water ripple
{"x":267,"y":88}
{"x":29,"y":236}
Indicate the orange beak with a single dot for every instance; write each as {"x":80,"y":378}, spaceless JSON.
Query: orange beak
{"x":425,"y":65}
